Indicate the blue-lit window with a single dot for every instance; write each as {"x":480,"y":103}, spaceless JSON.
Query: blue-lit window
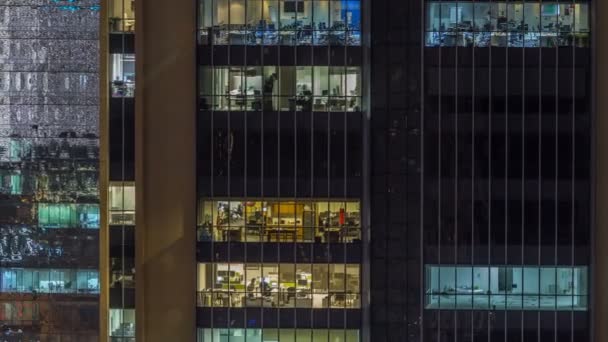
{"x":123,"y":75}
{"x":60,"y":215}
{"x":513,"y":24}
{"x":284,"y":22}
{"x":506,"y":288}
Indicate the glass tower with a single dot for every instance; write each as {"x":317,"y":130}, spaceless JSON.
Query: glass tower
{"x":49,"y":147}
{"x":279,"y":170}
{"x":481,"y":117}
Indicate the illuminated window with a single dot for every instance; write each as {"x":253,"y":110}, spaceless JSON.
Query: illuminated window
{"x":30,"y":280}
{"x":122,"y":325}
{"x":274,"y":335}
{"x":122,"y":15}
{"x":513,"y":24}
{"x":123,"y":75}
{"x":61,"y":215}
{"x":280,"y":221}
{"x":506,"y":288}
{"x":122,"y":203}
{"x":284,"y":22}
{"x":11,"y":182}
{"x":279,"y":285}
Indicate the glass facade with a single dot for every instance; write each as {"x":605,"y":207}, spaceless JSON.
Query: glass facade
{"x":513,"y":24}
{"x":506,"y":288}
{"x":49,"y":152}
{"x":280,"y":22}
{"x":279,"y":169}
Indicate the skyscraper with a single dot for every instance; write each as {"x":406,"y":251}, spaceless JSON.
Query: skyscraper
{"x":49,"y":147}
{"x":333,"y":170}
{"x":279,"y":170}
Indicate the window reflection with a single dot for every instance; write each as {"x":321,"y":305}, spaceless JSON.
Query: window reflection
{"x":301,"y":88}
{"x":123,"y":75}
{"x":285,"y":22}
{"x":514,"y":24}
{"x":279,"y":221}
{"x":279,"y":285}
{"x":506,"y":288}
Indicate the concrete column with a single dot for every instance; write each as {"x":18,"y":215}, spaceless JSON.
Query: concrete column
{"x":599,"y":301}
{"x":165,"y":170}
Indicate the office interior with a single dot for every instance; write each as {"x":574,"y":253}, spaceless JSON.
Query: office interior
{"x":279,"y":285}
{"x":122,"y":71}
{"x":506,"y":288}
{"x":512,"y":24}
{"x":279,"y":221}
{"x":275,"y":335}
{"x":285,"y":22}
{"x":68,"y":215}
{"x":122,"y":325}
{"x":121,"y":200}
{"x":45,"y":280}
{"x":283,"y":88}
{"x":121,"y":14}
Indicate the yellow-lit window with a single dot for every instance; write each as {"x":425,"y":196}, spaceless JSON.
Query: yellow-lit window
{"x":122,"y":203}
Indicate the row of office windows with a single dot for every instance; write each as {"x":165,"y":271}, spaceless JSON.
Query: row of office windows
{"x":42,"y":280}
{"x":280,"y":220}
{"x":121,"y":203}
{"x":513,"y":24}
{"x":279,"y":285}
{"x":68,"y":215}
{"x":506,"y":288}
{"x":284,"y":22}
{"x":285,"y":88}
{"x":277,"y":335}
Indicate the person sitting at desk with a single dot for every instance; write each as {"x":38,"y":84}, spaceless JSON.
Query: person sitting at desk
{"x":265,"y":288}
{"x":251,"y":288}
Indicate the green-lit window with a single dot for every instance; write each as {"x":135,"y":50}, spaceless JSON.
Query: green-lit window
{"x":68,"y":215}
{"x":507,"y":288}
{"x":277,"y":335}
